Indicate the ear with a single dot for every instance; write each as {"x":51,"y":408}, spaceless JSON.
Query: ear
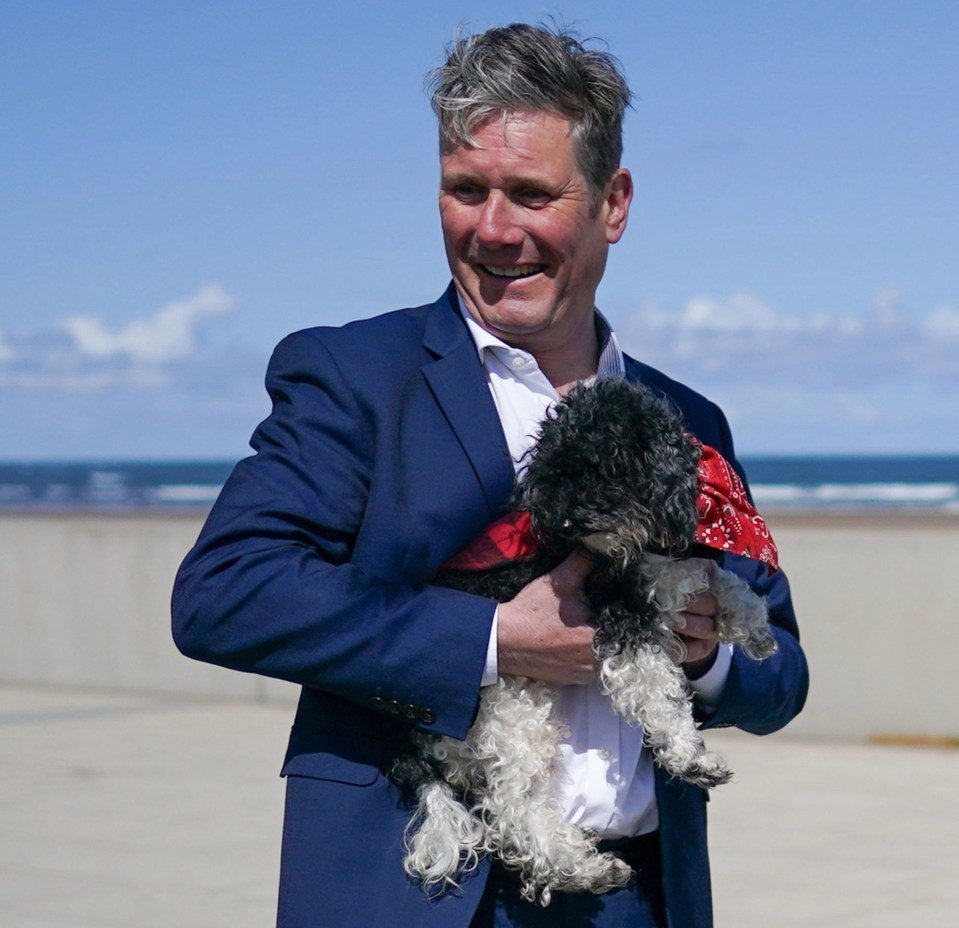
{"x":618,"y":198}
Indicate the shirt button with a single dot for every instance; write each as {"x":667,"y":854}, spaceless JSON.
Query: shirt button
{"x":605,"y":754}
{"x":518,"y":363}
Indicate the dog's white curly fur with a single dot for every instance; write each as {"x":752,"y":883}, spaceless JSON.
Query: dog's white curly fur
{"x":505,"y":767}
{"x":498,"y":795}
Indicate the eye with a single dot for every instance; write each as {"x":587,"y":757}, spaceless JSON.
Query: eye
{"x":532,"y":196}
{"x":467,"y":193}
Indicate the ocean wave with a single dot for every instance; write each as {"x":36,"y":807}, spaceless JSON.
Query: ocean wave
{"x":938,"y":494}
{"x":802,"y":483}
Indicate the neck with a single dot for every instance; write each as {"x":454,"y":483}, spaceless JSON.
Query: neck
{"x":574,"y":359}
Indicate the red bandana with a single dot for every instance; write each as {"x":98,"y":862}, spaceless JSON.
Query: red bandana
{"x":727,"y":522}
{"x":509,"y":538}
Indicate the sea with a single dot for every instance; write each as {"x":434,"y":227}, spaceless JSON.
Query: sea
{"x":794,"y":483}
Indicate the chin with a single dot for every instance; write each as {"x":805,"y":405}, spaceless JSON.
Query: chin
{"x":511,"y":315}
{"x":513,"y":325}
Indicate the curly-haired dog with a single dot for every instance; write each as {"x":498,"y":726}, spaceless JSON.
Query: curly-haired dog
{"x":612,"y":471}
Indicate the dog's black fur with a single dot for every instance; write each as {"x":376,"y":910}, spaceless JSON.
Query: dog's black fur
{"x":613,"y":472}
{"x":611,"y":460}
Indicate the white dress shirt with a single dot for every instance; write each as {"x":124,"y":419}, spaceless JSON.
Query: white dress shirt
{"x":606,"y":776}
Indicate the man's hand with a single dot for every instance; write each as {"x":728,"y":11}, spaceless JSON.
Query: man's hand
{"x":543,"y":631}
{"x":699,"y":636}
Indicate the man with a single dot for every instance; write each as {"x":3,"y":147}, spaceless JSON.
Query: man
{"x":391,"y":445}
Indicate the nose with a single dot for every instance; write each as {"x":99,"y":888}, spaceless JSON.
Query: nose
{"x":498,"y":224}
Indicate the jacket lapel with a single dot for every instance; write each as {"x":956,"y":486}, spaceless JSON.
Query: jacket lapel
{"x":457,"y":381}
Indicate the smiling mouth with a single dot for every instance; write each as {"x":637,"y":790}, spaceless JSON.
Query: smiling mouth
{"x":515,"y":272}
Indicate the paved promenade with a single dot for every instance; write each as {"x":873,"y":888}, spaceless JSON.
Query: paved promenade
{"x":140,"y":812}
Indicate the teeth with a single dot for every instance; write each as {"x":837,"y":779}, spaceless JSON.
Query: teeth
{"x":521,"y":270}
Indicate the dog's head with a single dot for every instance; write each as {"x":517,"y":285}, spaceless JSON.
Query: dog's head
{"x":614,"y":470}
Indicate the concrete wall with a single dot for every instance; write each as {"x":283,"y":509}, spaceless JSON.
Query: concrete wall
{"x":879,"y":622}
{"x":86,"y":603}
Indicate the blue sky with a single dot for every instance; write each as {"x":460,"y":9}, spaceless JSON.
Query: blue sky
{"x":184,"y":183}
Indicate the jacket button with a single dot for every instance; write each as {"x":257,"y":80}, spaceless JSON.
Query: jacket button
{"x":377,"y":702}
{"x":393,"y":707}
{"x":427,"y":716}
{"x":409,"y":710}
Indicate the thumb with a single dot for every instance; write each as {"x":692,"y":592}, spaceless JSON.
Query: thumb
{"x":575,"y":569}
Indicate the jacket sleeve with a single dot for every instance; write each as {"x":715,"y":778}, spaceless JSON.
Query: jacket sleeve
{"x":270,"y":588}
{"x":761,"y":696}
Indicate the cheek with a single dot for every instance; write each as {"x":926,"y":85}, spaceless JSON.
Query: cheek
{"x":456,"y":233}
{"x":563,"y":238}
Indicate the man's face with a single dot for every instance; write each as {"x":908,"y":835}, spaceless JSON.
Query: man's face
{"x":525,"y":240}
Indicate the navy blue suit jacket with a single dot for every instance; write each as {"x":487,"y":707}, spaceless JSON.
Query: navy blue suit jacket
{"x":384,"y":456}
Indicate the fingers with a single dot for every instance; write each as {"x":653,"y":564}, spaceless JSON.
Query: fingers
{"x":570,"y":575}
{"x":544,"y":631}
{"x":698,"y":626}
{"x":703,"y":604}
{"x":698,"y":649}
{"x":699,"y":635}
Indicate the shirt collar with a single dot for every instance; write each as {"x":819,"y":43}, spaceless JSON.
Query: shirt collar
{"x":611,"y":364}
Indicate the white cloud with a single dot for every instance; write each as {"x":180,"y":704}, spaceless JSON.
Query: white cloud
{"x":884,"y":379}
{"x":942,"y":323}
{"x":168,"y":335}
{"x":743,"y":339}
{"x":887,"y":310}
{"x":880,"y":380}
{"x":742,"y":312}
{"x":84,"y":355}
{"x":6,"y":352}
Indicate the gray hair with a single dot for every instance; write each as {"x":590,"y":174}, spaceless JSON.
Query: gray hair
{"x":535,"y":69}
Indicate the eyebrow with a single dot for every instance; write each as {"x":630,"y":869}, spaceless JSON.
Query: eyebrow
{"x":510,"y":181}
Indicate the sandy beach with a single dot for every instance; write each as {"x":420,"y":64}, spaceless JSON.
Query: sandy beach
{"x":147,"y":811}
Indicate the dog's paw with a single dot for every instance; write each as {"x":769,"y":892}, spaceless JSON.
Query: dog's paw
{"x":612,"y":874}
{"x":706,"y":770}
{"x":702,"y":768}
{"x":742,"y":616}
{"x":599,"y":874}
